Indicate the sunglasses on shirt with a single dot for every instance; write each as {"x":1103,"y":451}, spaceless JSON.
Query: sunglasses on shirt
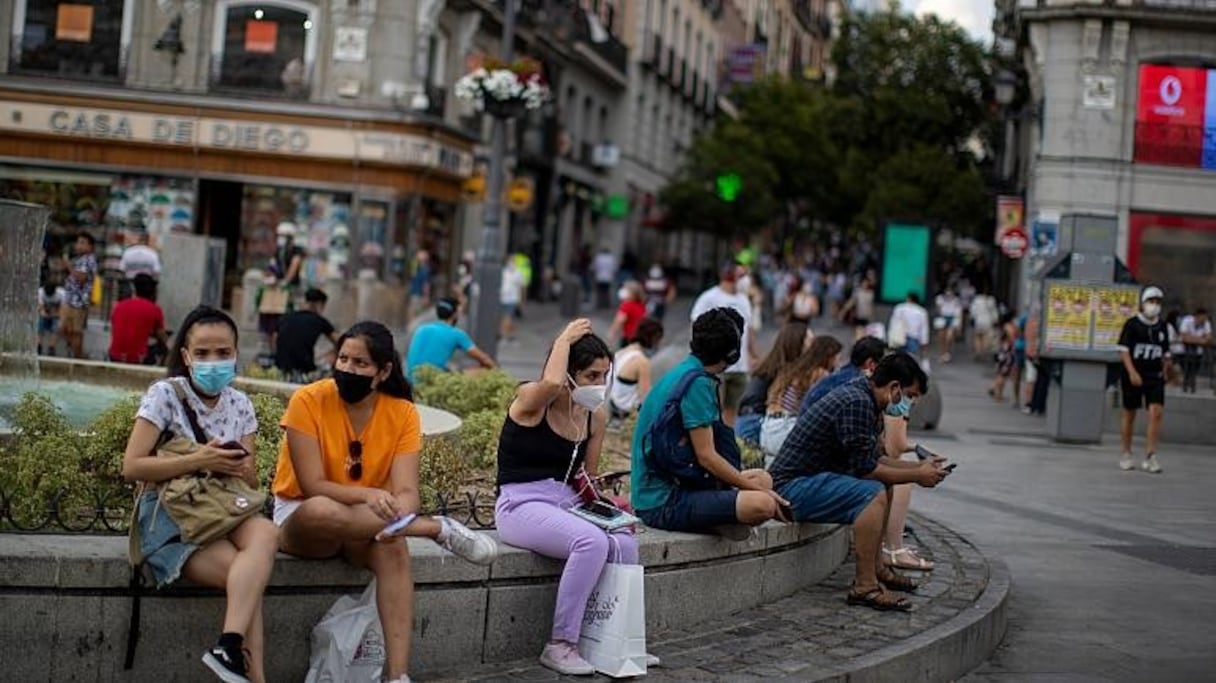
{"x":354,"y":461}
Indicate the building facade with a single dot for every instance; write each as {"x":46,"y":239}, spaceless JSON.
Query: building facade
{"x":226,"y":118}
{"x":1118,"y":118}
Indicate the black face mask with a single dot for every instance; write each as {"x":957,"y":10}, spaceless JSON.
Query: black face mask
{"x":352,"y":388}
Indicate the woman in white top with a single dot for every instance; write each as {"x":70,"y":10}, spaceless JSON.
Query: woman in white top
{"x":631,"y":377}
{"x":950,"y":319}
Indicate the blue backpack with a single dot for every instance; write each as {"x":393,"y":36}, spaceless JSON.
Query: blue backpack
{"x":669,"y":451}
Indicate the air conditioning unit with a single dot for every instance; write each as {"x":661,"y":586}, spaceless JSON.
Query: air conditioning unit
{"x":605,"y":156}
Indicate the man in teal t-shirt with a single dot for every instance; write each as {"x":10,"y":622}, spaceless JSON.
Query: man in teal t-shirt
{"x":743,"y":497}
{"x":435,"y":343}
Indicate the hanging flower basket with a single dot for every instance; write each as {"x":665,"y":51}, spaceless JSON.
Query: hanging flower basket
{"x":504,"y":90}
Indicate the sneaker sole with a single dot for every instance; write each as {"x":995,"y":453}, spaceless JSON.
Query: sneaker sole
{"x":567,"y":671}
{"x":218,"y":668}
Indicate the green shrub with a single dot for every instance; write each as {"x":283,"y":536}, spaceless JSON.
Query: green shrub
{"x":464,"y":394}
{"x":268,"y":409}
{"x":256,"y":371}
{"x":444,"y":469}
{"x":45,"y":459}
{"x":478,"y":437}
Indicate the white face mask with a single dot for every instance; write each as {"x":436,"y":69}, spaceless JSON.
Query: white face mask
{"x":656,"y":272}
{"x":622,"y":293}
{"x":1151,"y":311}
{"x":590,"y":396}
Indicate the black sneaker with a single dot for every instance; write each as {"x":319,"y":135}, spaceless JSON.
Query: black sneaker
{"x":227,"y":663}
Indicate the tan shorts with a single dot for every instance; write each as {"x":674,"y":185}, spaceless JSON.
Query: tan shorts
{"x":73,"y":320}
{"x":733,"y":386}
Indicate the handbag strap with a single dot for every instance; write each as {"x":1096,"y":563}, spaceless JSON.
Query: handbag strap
{"x":200,"y":436}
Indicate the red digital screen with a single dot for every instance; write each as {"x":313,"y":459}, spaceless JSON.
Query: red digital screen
{"x":1171,"y":115}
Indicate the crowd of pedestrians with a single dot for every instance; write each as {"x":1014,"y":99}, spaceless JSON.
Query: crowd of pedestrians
{"x":829,"y":416}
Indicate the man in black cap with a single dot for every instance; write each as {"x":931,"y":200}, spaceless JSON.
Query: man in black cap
{"x":436,"y":342}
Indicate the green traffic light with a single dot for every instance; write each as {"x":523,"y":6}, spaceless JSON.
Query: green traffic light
{"x":729,"y":185}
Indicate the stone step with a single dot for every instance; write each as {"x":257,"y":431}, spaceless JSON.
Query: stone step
{"x":958,"y":620}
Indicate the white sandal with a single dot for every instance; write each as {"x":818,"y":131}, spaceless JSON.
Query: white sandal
{"x":910,"y":559}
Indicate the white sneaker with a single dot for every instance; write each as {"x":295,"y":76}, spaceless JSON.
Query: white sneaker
{"x":1150,"y":464}
{"x":1125,"y":462}
{"x":565,"y":659}
{"x":465,"y":543}
{"x":652,"y":661}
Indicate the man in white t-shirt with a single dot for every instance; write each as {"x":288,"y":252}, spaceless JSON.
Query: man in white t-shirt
{"x":726,"y":293}
{"x":604,"y":267}
{"x":912,"y":320}
{"x":1196,"y":333}
{"x":140,"y":258}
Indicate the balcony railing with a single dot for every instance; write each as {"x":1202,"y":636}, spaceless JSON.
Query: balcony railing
{"x":653,"y":58}
{"x":692,"y":91}
{"x":610,"y":49}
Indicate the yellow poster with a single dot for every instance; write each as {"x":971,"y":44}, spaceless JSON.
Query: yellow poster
{"x":1114,"y":307}
{"x":1069,"y":314}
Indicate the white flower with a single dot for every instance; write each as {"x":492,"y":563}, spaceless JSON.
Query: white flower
{"x":500,"y":85}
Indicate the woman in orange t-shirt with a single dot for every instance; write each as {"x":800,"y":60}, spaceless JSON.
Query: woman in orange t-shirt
{"x":349,"y":468}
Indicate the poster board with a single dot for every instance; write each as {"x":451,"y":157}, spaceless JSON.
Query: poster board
{"x":1084,"y":319}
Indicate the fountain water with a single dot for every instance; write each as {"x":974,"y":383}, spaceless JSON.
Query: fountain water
{"x":21,"y":230}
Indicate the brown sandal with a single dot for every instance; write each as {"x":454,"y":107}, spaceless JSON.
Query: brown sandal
{"x":880,"y":600}
{"x":897,"y":582}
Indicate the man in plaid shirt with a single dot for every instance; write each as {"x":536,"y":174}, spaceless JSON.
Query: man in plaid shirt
{"x":832,"y":470}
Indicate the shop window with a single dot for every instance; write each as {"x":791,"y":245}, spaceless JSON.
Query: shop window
{"x":82,"y":39}
{"x":267,"y":47}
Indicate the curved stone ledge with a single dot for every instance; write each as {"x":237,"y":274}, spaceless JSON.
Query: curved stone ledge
{"x":137,"y":378}
{"x":67,"y":604}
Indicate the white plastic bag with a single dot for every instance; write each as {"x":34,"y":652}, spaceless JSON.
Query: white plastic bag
{"x":613,"y":638}
{"x":348,"y":643}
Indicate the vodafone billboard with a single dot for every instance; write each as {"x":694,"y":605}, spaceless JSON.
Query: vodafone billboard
{"x":1176,"y":116}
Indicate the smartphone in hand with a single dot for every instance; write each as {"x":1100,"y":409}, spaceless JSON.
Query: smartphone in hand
{"x":235,"y":446}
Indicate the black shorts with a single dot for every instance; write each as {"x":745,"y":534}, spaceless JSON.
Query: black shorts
{"x":1149,"y":392}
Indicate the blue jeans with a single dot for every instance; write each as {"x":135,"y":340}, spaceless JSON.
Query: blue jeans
{"x":695,"y":512}
{"x":829,"y":498}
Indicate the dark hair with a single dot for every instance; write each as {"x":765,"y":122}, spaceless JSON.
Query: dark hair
{"x":145,"y":286}
{"x":446,"y":307}
{"x":1201,"y":311}
{"x":588,"y":349}
{"x":315,"y":296}
{"x":379,"y":341}
{"x":203,"y":315}
{"x":903,"y":368}
{"x":649,"y":332}
{"x":88,"y":237}
{"x":716,"y":334}
{"x":914,"y":297}
{"x":867,"y":348}
{"x":49,"y":287}
{"x":788,"y":346}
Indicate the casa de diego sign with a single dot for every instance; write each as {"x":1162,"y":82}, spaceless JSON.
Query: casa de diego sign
{"x":328,"y":142}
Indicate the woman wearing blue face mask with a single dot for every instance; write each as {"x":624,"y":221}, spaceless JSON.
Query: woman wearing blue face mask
{"x":202,"y":364}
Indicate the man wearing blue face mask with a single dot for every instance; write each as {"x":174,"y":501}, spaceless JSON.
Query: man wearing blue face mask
{"x":832,"y":469}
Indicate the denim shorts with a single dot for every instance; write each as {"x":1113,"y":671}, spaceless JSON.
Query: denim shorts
{"x":160,"y":541}
{"x":829,"y":498}
{"x":696,"y":512}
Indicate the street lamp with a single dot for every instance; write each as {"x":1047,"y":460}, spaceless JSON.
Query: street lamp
{"x":487,"y":273}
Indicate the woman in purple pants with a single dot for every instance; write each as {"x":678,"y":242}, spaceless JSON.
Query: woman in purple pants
{"x":553,"y":431}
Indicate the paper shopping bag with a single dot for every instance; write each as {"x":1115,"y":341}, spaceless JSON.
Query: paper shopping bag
{"x":348,"y":643}
{"x":614,"y":624}
{"x":274,"y":301}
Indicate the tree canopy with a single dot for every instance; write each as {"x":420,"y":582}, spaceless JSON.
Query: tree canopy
{"x":891,"y":137}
